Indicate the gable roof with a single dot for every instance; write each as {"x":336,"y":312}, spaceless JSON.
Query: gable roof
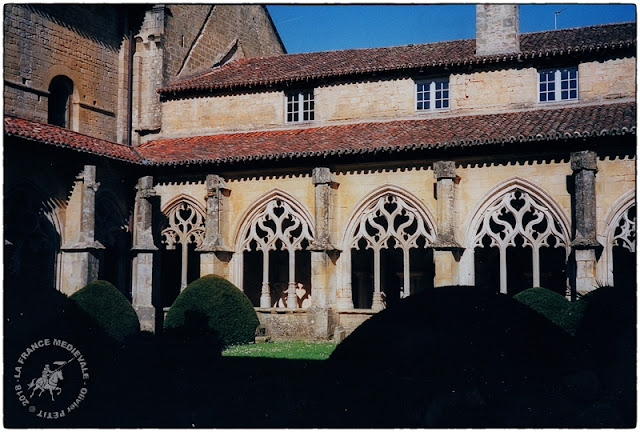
{"x":61,"y":137}
{"x":396,"y":136}
{"x":291,"y":68}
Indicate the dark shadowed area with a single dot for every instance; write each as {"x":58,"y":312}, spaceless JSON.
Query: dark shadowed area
{"x":450,"y":357}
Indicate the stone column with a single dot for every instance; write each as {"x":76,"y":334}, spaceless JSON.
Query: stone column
{"x":446,"y":250}
{"x":584,"y":244}
{"x":323,"y":253}
{"x":148,"y":69}
{"x":80,"y":256}
{"x":214,"y":254}
{"x":143,"y":250}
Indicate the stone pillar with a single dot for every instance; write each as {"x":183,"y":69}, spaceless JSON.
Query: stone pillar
{"x":148,"y":62}
{"x":446,"y":250}
{"x":584,"y":244}
{"x":214,"y":254}
{"x":323,"y":253}
{"x":80,"y":257}
{"x":143,"y":250}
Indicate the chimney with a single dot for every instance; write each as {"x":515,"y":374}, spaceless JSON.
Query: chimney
{"x":497,"y":29}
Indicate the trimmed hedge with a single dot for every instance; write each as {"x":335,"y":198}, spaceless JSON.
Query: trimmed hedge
{"x":228,"y":310}
{"x":549,"y":304}
{"x":108,"y":308}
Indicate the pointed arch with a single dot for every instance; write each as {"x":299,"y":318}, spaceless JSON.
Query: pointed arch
{"x":277,"y":228}
{"x":408,"y":200}
{"x":517,"y":210}
{"x":379,"y":236}
{"x":183,"y":228}
{"x":620,"y":230}
{"x":33,"y":237}
{"x":113,"y":232}
{"x":259,"y":206}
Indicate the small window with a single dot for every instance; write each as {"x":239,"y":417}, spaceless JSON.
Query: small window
{"x":300,"y":106}
{"x":558,"y":84}
{"x":59,"y":109}
{"x":432,"y":94}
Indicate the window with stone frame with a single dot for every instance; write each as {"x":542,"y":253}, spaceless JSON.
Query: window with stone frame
{"x":624,"y":250}
{"x":299,"y":106}
{"x":559,"y":84}
{"x":59,"y":105}
{"x":432,"y":94}
{"x":184,"y":231}
{"x":276,"y":243}
{"x":389,"y":253}
{"x":519,"y":244}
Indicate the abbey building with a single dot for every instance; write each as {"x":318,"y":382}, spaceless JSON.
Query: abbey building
{"x":150,"y":145}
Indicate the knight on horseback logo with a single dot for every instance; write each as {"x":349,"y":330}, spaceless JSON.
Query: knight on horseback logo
{"x":50,"y":379}
{"x":46,"y":384}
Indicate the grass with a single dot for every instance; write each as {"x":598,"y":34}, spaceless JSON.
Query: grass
{"x":297,"y":350}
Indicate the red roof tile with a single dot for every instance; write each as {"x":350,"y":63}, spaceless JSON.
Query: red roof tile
{"x":61,"y":137}
{"x":250,"y":72}
{"x":462,"y":131}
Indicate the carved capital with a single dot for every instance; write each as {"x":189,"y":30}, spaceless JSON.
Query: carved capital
{"x":145,"y":188}
{"x":216,"y":183}
{"x":584,"y":160}
{"x":323,"y":175}
{"x":444,"y":169}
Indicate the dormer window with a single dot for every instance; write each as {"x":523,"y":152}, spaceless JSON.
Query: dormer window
{"x":558,"y":84}
{"x":300,"y":106}
{"x":432,"y":94}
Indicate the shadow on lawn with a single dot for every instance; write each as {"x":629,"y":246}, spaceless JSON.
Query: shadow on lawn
{"x":452,"y":357}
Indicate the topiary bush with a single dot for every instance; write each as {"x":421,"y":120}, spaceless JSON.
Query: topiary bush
{"x":228,"y":310}
{"x":549,"y":304}
{"x":108,"y":308}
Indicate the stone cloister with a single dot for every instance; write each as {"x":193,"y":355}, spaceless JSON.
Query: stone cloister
{"x":150,"y":145}
{"x":389,"y":245}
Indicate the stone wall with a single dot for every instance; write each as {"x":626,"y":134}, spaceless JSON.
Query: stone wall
{"x":199,"y":36}
{"x":475,"y":93}
{"x":82,"y":42}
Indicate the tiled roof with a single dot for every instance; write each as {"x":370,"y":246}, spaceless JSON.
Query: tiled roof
{"x":250,"y":72}
{"x":396,"y":136}
{"x":61,"y":137}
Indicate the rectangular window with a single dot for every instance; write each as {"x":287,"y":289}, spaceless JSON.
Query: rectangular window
{"x":432,"y":94}
{"x":300,"y":106}
{"x":558,"y":84}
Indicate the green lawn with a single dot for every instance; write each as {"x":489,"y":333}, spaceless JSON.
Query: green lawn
{"x":284,"y":350}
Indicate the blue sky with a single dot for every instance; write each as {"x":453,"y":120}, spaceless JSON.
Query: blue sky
{"x":305,"y":28}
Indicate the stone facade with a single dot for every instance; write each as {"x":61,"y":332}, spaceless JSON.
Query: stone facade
{"x":39,"y":46}
{"x":471,"y":93}
{"x":318,"y":240}
{"x":89,"y":44}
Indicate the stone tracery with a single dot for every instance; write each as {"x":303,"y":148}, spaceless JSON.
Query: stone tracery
{"x":625,"y":232}
{"x":390,"y":221}
{"x":518,"y":214}
{"x":277,"y":226}
{"x":186,"y":226}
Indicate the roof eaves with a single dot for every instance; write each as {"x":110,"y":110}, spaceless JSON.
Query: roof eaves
{"x":466,"y":61}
